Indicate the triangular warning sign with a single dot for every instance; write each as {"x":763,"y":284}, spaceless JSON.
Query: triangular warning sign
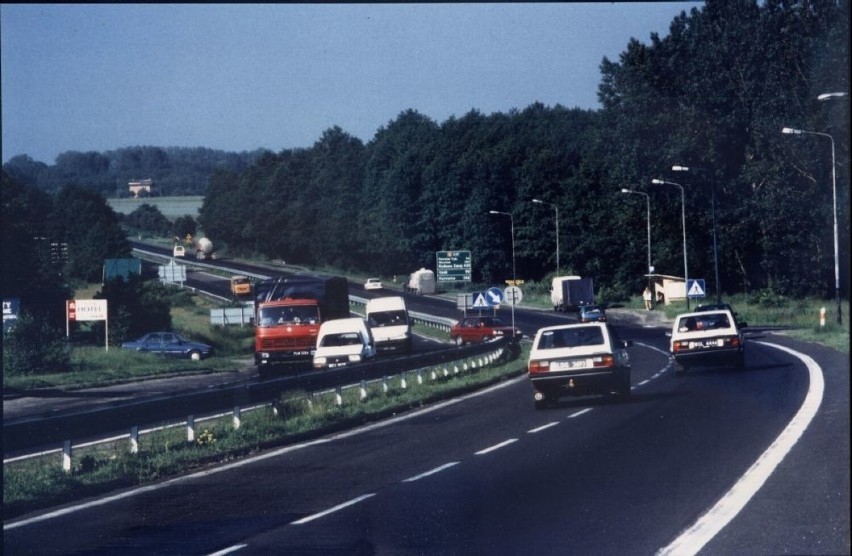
{"x":695,"y":289}
{"x":480,"y":302}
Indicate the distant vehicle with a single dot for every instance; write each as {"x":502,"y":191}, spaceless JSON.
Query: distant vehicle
{"x":569,"y":293}
{"x":592,"y":313}
{"x":388,"y":320}
{"x":289,"y":312}
{"x":721,"y":307}
{"x":342,"y":342}
{"x":578,"y":359}
{"x":421,"y":282}
{"x":169,"y":344}
{"x":373,"y":284}
{"x":240,"y":285}
{"x":474,"y":330}
{"x":707,"y":338}
{"x":178,"y":251}
{"x":204,"y":249}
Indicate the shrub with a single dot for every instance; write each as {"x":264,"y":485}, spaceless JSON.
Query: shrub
{"x":33,"y":346}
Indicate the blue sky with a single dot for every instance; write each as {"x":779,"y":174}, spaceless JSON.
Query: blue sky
{"x":241,"y":77}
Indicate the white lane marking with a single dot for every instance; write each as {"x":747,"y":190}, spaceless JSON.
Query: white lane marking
{"x":431,"y":472}
{"x":541,"y":428}
{"x":573,"y":415}
{"x":716,"y":518}
{"x":229,"y":550}
{"x":332,"y":510}
{"x":249,"y":461}
{"x":496,"y":446}
{"x":643,"y":383}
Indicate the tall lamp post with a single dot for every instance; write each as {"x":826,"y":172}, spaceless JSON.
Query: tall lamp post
{"x":713,"y":212}
{"x":791,"y":131}
{"x":683,"y":221}
{"x":648,"y":206}
{"x":512,"y":221}
{"x":556,"y":208}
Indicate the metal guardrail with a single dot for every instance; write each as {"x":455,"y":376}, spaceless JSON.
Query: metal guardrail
{"x":193,"y":263}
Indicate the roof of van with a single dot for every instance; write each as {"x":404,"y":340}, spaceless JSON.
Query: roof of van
{"x":392,"y":303}
{"x":342,"y":325}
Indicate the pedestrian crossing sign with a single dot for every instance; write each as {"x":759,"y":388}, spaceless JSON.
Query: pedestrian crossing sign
{"x":479,"y":301}
{"x":695,"y":288}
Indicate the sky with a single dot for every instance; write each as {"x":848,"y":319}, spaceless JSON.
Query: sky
{"x":100,"y":77}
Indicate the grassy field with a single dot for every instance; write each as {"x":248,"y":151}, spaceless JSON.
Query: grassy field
{"x":171,"y":207}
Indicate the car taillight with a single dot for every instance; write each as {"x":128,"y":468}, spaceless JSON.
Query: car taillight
{"x":539,"y":366}
{"x":603,"y":361}
{"x":678,"y":346}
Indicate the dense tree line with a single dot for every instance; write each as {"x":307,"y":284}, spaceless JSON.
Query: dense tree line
{"x":175,"y":170}
{"x":713,"y":96}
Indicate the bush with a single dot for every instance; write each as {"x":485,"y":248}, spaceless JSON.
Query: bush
{"x":768,"y":298}
{"x":33,"y":346}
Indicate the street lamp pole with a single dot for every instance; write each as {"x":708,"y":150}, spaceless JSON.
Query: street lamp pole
{"x":648,"y":209}
{"x":791,"y":131}
{"x":556,"y":208}
{"x":512,"y":222}
{"x":683,"y":223}
{"x":713,"y":212}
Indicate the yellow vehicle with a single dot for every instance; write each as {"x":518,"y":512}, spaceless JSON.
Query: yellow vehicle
{"x":240,"y":285}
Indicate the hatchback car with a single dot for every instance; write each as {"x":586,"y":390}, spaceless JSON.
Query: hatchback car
{"x":169,"y":344}
{"x":373,"y":284}
{"x":474,"y":330}
{"x":578,"y":359}
{"x":707,"y":338}
{"x":592,"y":313}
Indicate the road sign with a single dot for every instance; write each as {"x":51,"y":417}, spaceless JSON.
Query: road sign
{"x":453,"y":266}
{"x":494,"y":296}
{"x":513,"y":295}
{"x":695,"y":288}
{"x":479,"y":300}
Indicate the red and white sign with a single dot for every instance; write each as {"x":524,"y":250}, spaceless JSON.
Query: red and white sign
{"x":86,"y":309}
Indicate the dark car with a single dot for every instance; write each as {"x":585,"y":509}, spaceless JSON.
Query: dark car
{"x":592,"y":313}
{"x":473,"y":330}
{"x":169,"y":344}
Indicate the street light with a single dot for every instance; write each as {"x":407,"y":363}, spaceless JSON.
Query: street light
{"x":556,"y":208}
{"x":683,"y":220}
{"x":792,"y":131}
{"x":648,"y":206}
{"x":512,"y":221}
{"x":713,"y":212}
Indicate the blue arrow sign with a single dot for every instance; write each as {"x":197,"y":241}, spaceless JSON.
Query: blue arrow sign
{"x":494,"y":296}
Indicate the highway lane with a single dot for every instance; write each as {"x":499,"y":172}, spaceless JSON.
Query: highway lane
{"x":489,"y":474}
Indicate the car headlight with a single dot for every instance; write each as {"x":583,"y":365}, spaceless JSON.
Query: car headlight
{"x":355,"y":358}
{"x":319,"y":361}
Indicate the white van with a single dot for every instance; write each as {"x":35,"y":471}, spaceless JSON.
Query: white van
{"x":343,"y":341}
{"x":387,"y":318}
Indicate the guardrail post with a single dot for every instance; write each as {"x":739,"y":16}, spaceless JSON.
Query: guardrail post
{"x":190,"y":429}
{"x":363,"y":390}
{"x":385,"y":384}
{"x":134,"y":439}
{"x":66,"y":456}
{"x":419,"y":376}
{"x":338,"y":396}
{"x":402,"y":383}
{"x":236,"y":417}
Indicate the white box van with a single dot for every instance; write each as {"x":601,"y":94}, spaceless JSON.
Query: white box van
{"x":343,"y":341}
{"x":387,"y":318}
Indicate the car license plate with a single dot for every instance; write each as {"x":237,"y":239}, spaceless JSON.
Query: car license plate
{"x":568,"y":365}
{"x":700,"y":344}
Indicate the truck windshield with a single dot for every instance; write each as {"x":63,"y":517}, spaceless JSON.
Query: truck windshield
{"x":387,"y":318}
{"x":274,"y":316}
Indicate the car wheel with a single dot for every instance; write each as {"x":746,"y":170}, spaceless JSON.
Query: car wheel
{"x":195,"y":355}
{"x":740,"y":363}
{"x":624,"y":387}
{"x":679,"y":368}
{"x":459,"y":341}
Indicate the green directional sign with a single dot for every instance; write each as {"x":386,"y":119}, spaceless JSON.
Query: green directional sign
{"x":454,"y":266}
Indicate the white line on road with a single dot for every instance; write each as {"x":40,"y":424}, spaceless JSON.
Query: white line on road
{"x":332,"y":510}
{"x":726,"y":509}
{"x":541,"y":428}
{"x":431,"y":472}
{"x":573,"y":415}
{"x":229,"y":550}
{"x":496,"y":446}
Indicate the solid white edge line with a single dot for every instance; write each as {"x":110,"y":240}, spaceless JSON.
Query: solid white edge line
{"x":692,"y":540}
{"x":229,"y":550}
{"x":541,"y":428}
{"x":332,"y":510}
{"x":496,"y":447}
{"x":573,"y":415}
{"x":430,"y":472}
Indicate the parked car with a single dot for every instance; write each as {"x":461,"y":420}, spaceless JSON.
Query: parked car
{"x":373,"y":284}
{"x":578,"y":359}
{"x":343,"y":341}
{"x":473,"y":330}
{"x":169,"y":344}
{"x":707,"y":338}
{"x":592,"y":313}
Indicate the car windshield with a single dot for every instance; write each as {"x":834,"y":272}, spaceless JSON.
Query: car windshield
{"x":710,"y":321}
{"x":387,"y":318}
{"x":342,"y":339}
{"x":571,"y":337}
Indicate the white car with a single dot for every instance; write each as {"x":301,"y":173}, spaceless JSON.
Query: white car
{"x":342,"y":342}
{"x":707,"y":338}
{"x":373,"y":284}
{"x":578,"y":359}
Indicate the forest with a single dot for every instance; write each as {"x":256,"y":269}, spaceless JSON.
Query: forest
{"x":712,"y":95}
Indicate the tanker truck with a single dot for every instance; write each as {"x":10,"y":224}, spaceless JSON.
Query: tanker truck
{"x":289,"y":312}
{"x":204,"y":249}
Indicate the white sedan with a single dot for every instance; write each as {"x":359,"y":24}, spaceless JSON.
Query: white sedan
{"x":373,"y":284}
